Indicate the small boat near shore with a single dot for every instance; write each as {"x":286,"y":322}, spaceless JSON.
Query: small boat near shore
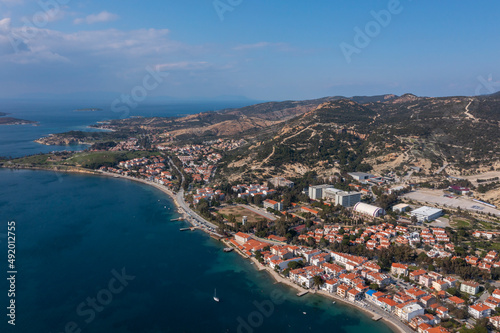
{"x":228,"y":249}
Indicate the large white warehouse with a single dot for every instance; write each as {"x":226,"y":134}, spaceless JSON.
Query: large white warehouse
{"x":369,"y":210}
{"x":426,"y":213}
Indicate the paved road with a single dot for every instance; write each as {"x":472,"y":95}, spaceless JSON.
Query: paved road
{"x":384,"y":314}
{"x":260,"y":212}
{"x":190,"y":212}
{"x":185,"y":206}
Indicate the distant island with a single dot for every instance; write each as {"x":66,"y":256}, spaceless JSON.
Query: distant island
{"x":88,"y":110}
{"x":3,"y":114}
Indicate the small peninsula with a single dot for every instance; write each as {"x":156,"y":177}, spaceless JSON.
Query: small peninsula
{"x":14,"y":121}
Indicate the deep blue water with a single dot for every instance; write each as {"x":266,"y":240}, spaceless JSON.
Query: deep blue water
{"x":57,"y":117}
{"x":74,"y":230}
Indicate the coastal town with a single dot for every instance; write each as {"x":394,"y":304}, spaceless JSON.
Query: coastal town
{"x":250,"y":167}
{"x":410,"y":263}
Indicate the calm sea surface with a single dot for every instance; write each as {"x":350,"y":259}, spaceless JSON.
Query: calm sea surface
{"x":100,"y":255}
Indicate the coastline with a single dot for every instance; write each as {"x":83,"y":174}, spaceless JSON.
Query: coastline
{"x":392,"y":325}
{"x":279,"y":279}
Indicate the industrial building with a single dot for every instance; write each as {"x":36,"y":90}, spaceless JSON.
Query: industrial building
{"x":360,"y":175}
{"x":368,"y":210}
{"x":400,"y":208}
{"x":316,"y":192}
{"x":342,"y":198}
{"x":426,"y":214}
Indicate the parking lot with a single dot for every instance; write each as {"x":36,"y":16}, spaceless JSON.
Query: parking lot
{"x":437,"y":197}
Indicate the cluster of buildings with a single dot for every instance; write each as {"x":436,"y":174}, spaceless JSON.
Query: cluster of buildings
{"x":245,"y":191}
{"x":350,"y":278}
{"x":197,"y":160}
{"x":383,"y":235}
{"x":130,"y":144}
{"x":247,"y":244}
{"x":329,"y":193}
{"x":281,"y":182}
{"x":201,"y":172}
{"x":208,"y":194}
{"x":485,"y":234}
{"x":226,"y":145}
{"x":490,"y":260}
{"x":152,"y":168}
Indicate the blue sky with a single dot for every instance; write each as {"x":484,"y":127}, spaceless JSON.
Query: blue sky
{"x":265,"y":50}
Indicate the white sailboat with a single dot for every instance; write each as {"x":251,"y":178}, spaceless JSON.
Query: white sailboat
{"x":215,"y":296}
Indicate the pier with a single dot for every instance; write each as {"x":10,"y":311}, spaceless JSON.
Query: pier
{"x":302,"y":293}
{"x":177,"y":219}
{"x":190,"y":228}
{"x":376,"y":317}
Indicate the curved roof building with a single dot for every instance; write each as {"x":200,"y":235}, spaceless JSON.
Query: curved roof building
{"x":369,"y":210}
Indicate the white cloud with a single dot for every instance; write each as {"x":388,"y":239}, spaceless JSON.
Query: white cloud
{"x":103,"y":16}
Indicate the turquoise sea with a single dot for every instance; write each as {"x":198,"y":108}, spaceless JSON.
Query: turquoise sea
{"x":97,"y":254}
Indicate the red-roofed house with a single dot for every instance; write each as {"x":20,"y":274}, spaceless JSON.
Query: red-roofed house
{"x":387,"y":304}
{"x":458,"y":302}
{"x":342,"y":290}
{"x":354,"y":295}
{"x":437,"y":329}
{"x":479,"y":310}
{"x":492,"y":302}
{"x":399,"y":269}
{"x":442,"y":312}
{"x":415,"y":275}
{"x":309,"y":210}
{"x":416,"y":293}
{"x":241,"y":238}
{"x":495,"y":321}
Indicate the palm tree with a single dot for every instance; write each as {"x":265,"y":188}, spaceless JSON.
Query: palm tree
{"x":318,"y":281}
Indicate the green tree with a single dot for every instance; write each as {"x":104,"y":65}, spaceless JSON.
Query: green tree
{"x":295,"y":264}
{"x":318,"y":281}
